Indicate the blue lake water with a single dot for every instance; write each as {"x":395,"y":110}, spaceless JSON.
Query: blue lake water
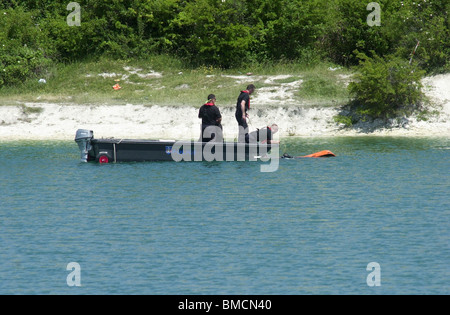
{"x":311,"y":227}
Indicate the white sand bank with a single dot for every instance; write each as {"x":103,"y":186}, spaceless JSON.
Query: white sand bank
{"x":60,"y":122}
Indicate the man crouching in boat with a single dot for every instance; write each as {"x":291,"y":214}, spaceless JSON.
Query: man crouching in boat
{"x":211,"y":121}
{"x":263,"y":135}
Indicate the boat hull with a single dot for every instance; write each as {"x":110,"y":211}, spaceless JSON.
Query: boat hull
{"x":112,"y":151}
{"x":126,"y":150}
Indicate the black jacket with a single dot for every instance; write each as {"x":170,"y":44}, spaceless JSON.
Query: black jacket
{"x":209,"y":113}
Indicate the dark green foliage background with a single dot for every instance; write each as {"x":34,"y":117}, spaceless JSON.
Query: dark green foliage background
{"x":227,"y":33}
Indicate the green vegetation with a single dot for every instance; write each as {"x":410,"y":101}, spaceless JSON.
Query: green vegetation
{"x":385,"y":88}
{"x":324,"y":85}
{"x":165,"y":80}
{"x":207,"y":39}
{"x":21,"y":47}
{"x":227,"y":33}
{"x":347,"y":121}
{"x":31,"y":110}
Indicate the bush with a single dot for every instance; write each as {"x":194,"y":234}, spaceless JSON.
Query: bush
{"x":386,"y":87}
{"x":346,"y":29}
{"x":424,"y":21}
{"x":221,"y":33}
{"x":342,"y":119}
{"x":67,"y":44}
{"x":22,"y":53}
{"x":292,"y":30}
{"x":212,"y":33}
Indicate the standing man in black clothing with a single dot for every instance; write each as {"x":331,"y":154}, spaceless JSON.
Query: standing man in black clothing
{"x":211,"y":120}
{"x":242,"y":106}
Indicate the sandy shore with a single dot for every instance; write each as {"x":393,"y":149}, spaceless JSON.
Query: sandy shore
{"x":46,"y":121}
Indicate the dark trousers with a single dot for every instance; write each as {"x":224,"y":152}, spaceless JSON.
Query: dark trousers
{"x":243,"y":129}
{"x":216,"y":136}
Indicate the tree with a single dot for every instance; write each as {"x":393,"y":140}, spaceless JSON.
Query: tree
{"x":22,"y":46}
{"x":212,"y":32}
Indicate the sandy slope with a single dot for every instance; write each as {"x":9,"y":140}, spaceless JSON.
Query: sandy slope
{"x":438,"y":88}
{"x":60,"y":122}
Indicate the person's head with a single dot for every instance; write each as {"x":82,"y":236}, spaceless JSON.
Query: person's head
{"x":274,"y":128}
{"x":251,"y":88}
{"x":212,"y":98}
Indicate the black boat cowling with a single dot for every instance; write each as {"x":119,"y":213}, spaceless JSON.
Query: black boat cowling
{"x":83,"y":138}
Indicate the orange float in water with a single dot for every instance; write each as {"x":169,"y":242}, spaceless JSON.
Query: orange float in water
{"x":321,"y":154}
{"x":324,"y":153}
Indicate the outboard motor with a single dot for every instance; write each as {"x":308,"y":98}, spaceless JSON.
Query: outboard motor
{"x":83,"y":138}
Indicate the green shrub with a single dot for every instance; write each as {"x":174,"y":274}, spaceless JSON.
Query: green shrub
{"x":424,"y":21}
{"x":22,"y":53}
{"x":224,"y":34}
{"x":346,"y":29}
{"x":384,"y":87}
{"x":212,"y":33}
{"x":292,"y":28}
{"x":342,"y":119}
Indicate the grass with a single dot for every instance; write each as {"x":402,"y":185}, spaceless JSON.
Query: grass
{"x":178,"y":85}
{"x":31,"y":110}
{"x":323,"y":85}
